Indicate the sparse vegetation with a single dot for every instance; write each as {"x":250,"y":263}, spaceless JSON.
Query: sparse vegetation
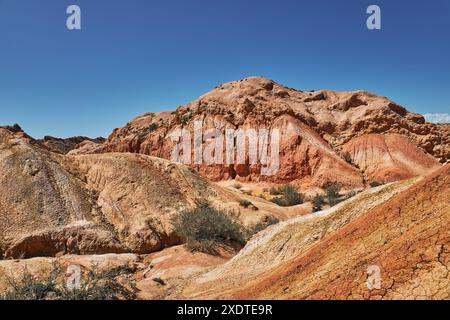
{"x":332,"y":197}
{"x":268,"y":221}
{"x":289,"y":197}
{"x":245,"y":203}
{"x":348,"y":157}
{"x":332,"y":191}
{"x":153,"y":127}
{"x":205,"y":229}
{"x":95,"y":285}
{"x":159,"y":281}
{"x":237,"y":186}
{"x":332,"y":194}
{"x":262,"y":196}
{"x":351,"y":194}
{"x":185,"y":119}
{"x":275,"y":191}
{"x":318,"y":201}
{"x":375,"y":184}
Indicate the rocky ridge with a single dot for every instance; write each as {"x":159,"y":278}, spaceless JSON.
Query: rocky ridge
{"x":322,"y":134}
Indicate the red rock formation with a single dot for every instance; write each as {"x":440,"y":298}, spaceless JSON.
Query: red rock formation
{"x":326,"y":122}
{"x":389,"y":157}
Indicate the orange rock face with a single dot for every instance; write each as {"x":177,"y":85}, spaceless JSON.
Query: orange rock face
{"x":389,"y":157}
{"x":316,"y":129}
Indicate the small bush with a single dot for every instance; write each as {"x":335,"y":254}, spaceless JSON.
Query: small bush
{"x":351,"y":194}
{"x":205,"y":229}
{"x":95,"y":285}
{"x":30,"y":288}
{"x":375,"y":184}
{"x":262,"y":196}
{"x":290,"y":197}
{"x":269,"y":221}
{"x":275,"y":191}
{"x":159,"y":281}
{"x":333,"y":196}
{"x":245,"y":203}
{"x":332,"y":191}
{"x":185,"y":119}
{"x":237,"y":186}
{"x":318,"y":201}
{"x":153,"y":127}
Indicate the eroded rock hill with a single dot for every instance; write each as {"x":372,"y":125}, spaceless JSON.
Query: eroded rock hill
{"x":92,"y":204}
{"x":325,"y":135}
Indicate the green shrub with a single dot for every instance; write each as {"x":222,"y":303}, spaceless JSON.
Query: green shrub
{"x":290,"y":197}
{"x":108,"y":285}
{"x":318,"y":201}
{"x":205,"y":229}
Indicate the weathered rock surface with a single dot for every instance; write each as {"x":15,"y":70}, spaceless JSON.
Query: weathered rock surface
{"x":38,"y":195}
{"x":407,"y":238}
{"x":315,"y":128}
{"x":92,"y":204}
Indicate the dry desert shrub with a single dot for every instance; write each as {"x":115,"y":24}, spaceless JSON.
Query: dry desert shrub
{"x":237,"y":186}
{"x":112,"y":284}
{"x":250,"y":232}
{"x":333,"y":195}
{"x":206,"y":229}
{"x":375,"y":184}
{"x":318,"y":201}
{"x":289,"y":196}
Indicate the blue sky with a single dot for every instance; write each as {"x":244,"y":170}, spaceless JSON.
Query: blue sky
{"x":136,"y":56}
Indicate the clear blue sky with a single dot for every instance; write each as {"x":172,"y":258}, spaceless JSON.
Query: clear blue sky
{"x":137,"y":56}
